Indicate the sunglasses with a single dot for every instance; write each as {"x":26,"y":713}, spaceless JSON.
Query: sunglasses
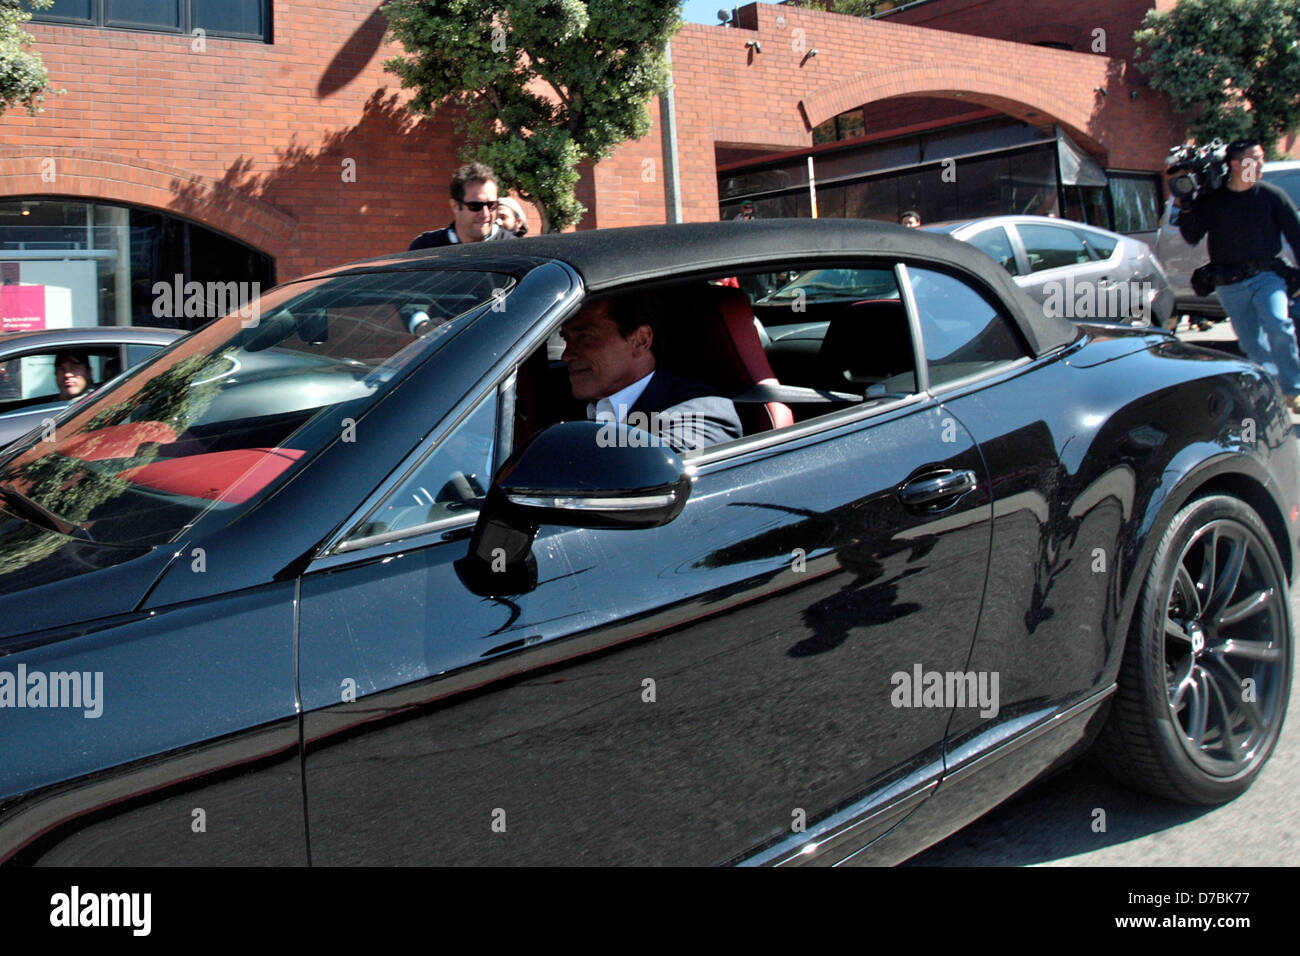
{"x":475,"y":205}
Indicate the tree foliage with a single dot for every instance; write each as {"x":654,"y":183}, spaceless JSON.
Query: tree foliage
{"x":546,"y":84}
{"x":23,"y":80}
{"x":1236,"y":63}
{"x":852,"y":8}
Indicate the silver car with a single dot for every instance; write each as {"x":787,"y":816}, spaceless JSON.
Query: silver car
{"x":1074,"y":270}
{"x":29,"y":394}
{"x":1181,"y":260}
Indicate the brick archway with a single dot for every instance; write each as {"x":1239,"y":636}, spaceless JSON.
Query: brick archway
{"x":108,"y":177}
{"x":1000,"y":91}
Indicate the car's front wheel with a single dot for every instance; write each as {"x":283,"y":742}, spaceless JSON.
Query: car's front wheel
{"x":1207,"y":669}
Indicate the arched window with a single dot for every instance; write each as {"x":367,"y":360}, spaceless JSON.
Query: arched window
{"x":104,"y":264}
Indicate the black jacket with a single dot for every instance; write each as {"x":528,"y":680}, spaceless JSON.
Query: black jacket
{"x":684,"y":414}
{"x":1244,"y":226}
{"x":438,"y":237}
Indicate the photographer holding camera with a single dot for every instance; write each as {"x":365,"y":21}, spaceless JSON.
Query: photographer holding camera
{"x":1245,"y":219}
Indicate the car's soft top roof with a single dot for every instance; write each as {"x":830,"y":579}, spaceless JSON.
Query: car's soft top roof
{"x":608,"y":258}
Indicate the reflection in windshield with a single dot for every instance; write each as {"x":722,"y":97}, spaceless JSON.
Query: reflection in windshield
{"x":224,"y":414}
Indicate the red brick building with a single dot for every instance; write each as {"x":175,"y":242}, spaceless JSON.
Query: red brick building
{"x":273,"y":143}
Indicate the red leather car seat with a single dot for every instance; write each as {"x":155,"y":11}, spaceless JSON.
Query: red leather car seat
{"x":722,"y":346}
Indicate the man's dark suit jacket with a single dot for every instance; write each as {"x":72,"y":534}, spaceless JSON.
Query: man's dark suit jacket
{"x":438,"y":237}
{"x":685,"y":414}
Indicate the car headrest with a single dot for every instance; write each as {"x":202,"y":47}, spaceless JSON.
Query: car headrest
{"x":867,"y":342}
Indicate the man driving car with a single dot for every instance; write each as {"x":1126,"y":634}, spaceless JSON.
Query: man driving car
{"x":610,"y":353}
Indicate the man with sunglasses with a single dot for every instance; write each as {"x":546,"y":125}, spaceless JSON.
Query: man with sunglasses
{"x":473,"y":211}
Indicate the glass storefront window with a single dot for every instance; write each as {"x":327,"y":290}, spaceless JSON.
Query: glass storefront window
{"x":1018,"y":176}
{"x":1087,"y":204}
{"x":1017,"y":182}
{"x":87,"y":264}
{"x":1136,"y":201}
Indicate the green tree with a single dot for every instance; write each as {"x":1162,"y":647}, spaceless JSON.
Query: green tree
{"x":1235,"y":63}
{"x":851,"y":8}
{"x":546,"y":84}
{"x":23,"y":80}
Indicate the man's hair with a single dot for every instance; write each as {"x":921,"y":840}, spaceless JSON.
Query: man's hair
{"x":630,"y":312}
{"x":909,"y":214}
{"x":81,"y":358}
{"x":1240,"y":147}
{"x":471,"y":173}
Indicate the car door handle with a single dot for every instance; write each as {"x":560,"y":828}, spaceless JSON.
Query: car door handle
{"x":935,"y":487}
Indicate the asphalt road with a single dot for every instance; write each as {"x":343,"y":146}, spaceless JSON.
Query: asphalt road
{"x":1052,"y":823}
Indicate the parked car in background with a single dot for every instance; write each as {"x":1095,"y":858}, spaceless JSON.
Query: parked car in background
{"x":362,"y":584}
{"x":29,"y":393}
{"x":1072,"y":269}
{"x":1181,"y":260}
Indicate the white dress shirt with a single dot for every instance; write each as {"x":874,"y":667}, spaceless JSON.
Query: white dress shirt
{"x":615,"y":408}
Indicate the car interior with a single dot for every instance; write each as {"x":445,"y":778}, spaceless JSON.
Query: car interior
{"x":781,"y":363}
{"x":27,"y":381}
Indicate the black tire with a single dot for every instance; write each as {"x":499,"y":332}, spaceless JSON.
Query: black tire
{"x":1214,"y":612}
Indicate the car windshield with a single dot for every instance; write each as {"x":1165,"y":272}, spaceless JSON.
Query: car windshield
{"x":231,"y":410}
{"x":836,"y":284}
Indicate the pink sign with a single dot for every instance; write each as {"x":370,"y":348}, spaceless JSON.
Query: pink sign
{"x":22,"y":307}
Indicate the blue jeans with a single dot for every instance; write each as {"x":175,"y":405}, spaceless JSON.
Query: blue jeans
{"x":1258,"y":307}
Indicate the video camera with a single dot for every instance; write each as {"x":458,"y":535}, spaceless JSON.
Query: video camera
{"x":1197,"y":168}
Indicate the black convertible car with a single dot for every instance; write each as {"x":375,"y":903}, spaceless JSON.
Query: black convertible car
{"x":355,"y":581}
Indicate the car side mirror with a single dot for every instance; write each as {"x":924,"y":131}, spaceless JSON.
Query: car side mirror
{"x":578,"y":475}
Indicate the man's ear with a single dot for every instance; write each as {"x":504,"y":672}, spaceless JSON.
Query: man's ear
{"x":451,"y":204}
{"x":644,"y":337}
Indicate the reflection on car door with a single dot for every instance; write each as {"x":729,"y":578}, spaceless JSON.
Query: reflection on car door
{"x":687,"y":694}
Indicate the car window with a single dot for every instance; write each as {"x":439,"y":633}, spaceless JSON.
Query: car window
{"x":29,"y":379}
{"x":1050,"y":247}
{"x":135,"y":353}
{"x":839,"y":330}
{"x":964,"y":333}
{"x":997,"y":246}
{"x":1288,"y":180}
{"x":825,"y":285}
{"x":1100,"y":243}
{"x":243,"y":403}
{"x":450,"y":481}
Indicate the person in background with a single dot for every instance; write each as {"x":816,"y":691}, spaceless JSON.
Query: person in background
{"x":1245,"y":220}
{"x":911,"y":219}
{"x":511,"y":218}
{"x":473,"y":211}
{"x":72,"y":374}
{"x":746,"y":213}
